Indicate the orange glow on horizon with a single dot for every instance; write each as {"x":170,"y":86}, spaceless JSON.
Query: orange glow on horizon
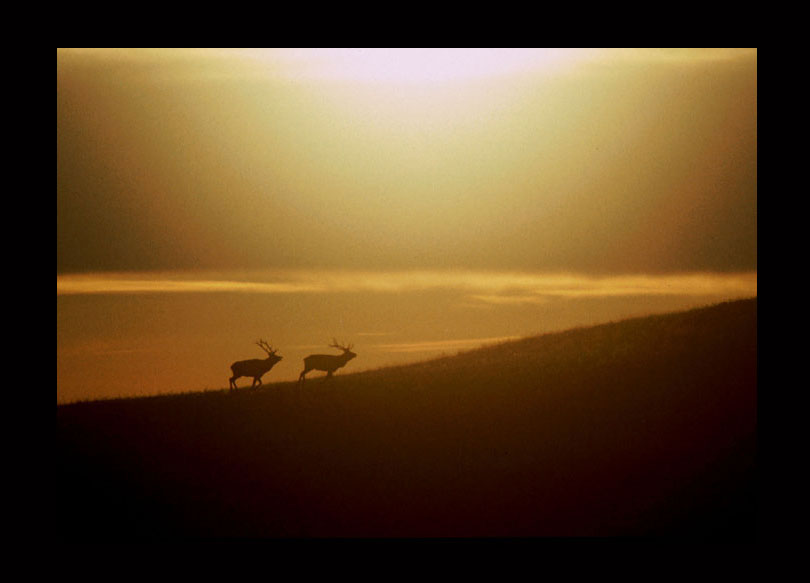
{"x":502,"y":287}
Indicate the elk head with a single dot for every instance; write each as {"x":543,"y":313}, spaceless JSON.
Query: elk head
{"x":347,"y":350}
{"x":271,"y":352}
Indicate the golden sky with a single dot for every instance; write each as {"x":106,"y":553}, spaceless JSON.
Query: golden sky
{"x":415,"y":200}
{"x":622,"y":160}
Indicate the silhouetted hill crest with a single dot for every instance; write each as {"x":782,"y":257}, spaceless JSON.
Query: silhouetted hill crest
{"x":624,"y":341}
{"x":641,"y":427}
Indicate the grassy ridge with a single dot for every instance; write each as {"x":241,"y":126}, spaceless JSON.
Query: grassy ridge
{"x":641,"y":427}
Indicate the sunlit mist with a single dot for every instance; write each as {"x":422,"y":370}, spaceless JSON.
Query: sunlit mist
{"x":499,"y":286}
{"x":417,"y":66}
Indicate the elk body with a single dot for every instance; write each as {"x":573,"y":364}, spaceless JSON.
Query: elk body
{"x":255,"y":367}
{"x":328,"y":363}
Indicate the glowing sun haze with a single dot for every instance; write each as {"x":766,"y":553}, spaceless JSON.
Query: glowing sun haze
{"x":418,"y":66}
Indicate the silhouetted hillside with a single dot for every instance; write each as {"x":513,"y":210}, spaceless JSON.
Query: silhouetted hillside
{"x":641,"y":427}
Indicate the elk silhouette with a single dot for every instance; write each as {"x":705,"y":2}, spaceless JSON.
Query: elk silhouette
{"x":327,"y":362}
{"x":255,"y":367}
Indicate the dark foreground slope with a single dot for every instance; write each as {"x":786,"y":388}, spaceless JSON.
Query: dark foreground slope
{"x":642,"y":427}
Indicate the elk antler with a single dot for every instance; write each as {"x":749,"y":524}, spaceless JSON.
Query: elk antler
{"x":266,"y":347}
{"x":338,"y":346}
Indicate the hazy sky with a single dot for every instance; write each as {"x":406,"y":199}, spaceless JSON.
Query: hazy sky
{"x":620,"y":161}
{"x":412,"y":202}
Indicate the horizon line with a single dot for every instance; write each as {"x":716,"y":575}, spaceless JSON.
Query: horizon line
{"x":489,"y":287}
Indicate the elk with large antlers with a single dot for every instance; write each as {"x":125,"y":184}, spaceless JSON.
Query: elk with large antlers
{"x":327,"y":362}
{"x":255,"y":367}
